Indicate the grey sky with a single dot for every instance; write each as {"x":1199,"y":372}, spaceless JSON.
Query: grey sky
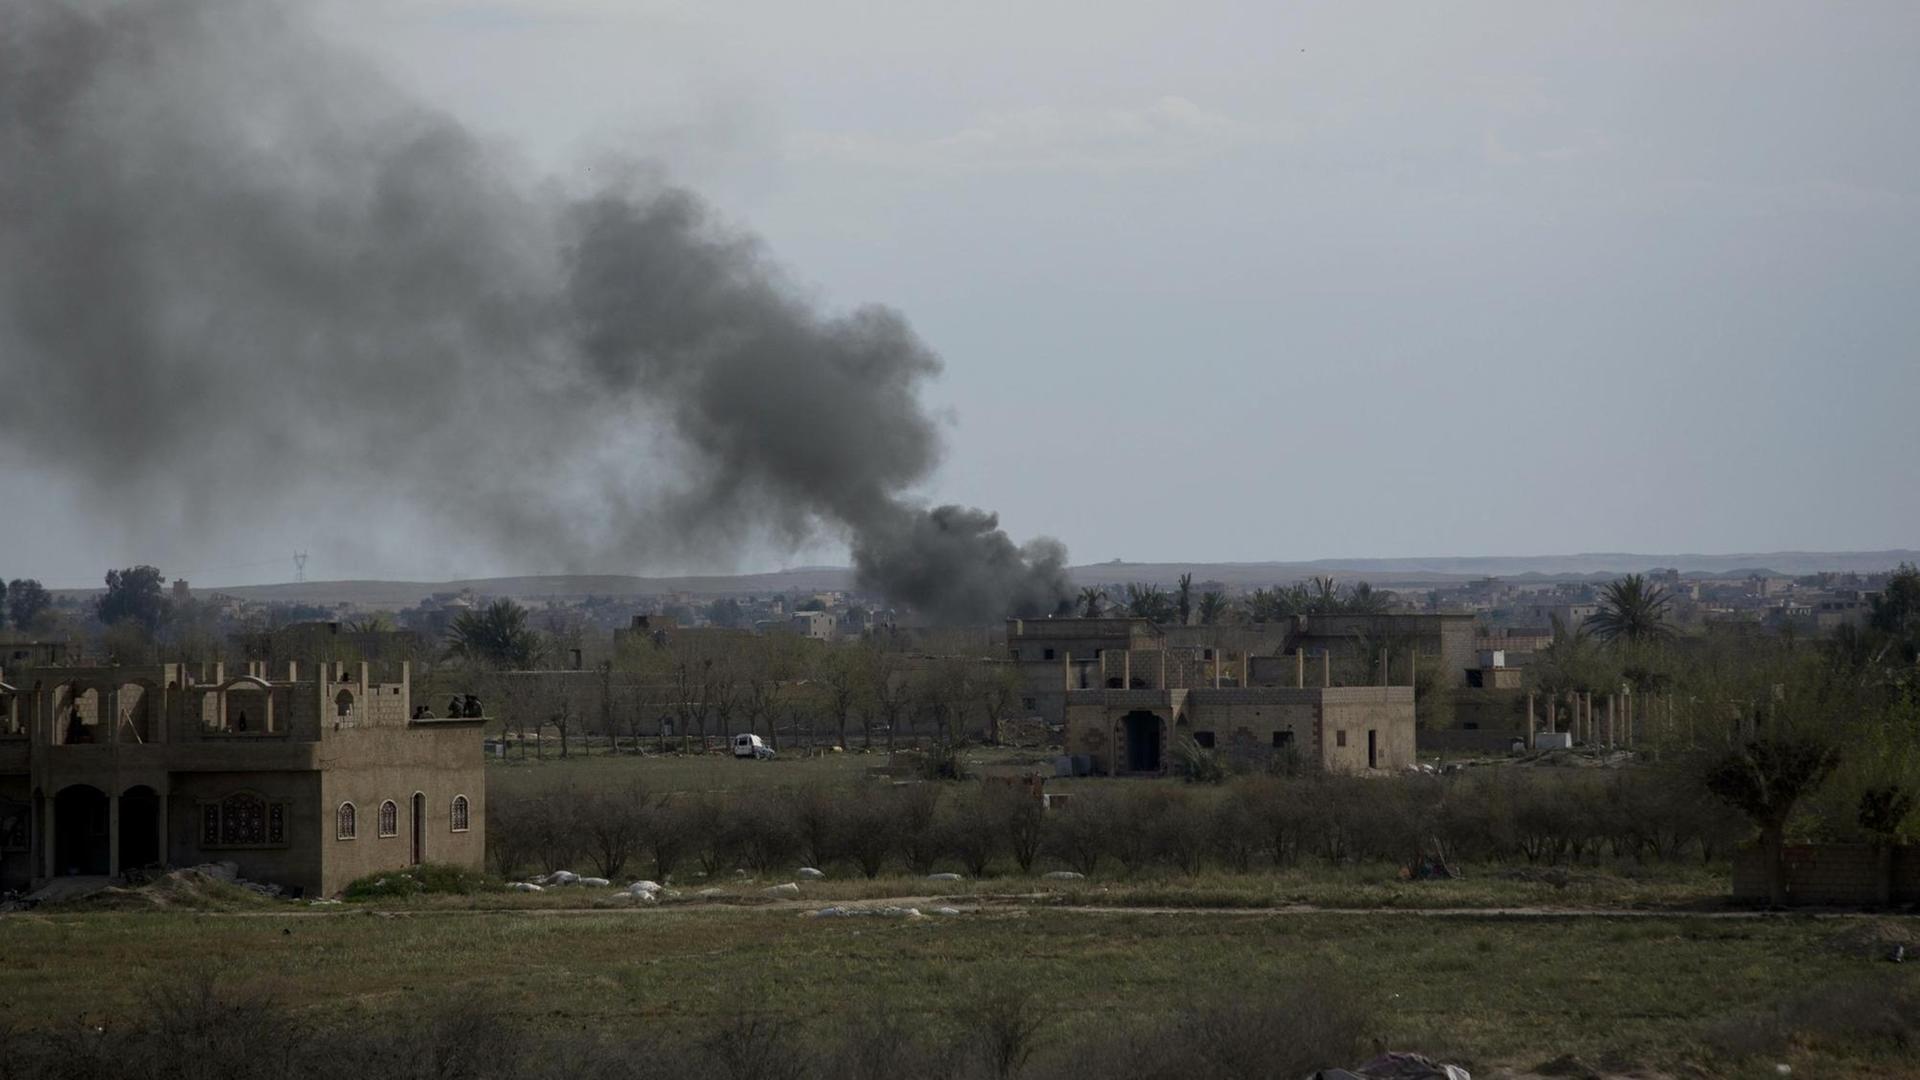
{"x":1220,"y":281}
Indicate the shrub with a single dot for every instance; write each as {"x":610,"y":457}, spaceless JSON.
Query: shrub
{"x":973,"y":828}
{"x":438,"y":878}
{"x":613,"y":825}
{"x":1077,"y":833}
{"x":669,"y":830}
{"x":916,"y":825}
{"x":872,"y":828}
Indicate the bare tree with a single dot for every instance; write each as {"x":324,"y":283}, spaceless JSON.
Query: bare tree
{"x":889,"y":690}
{"x":841,"y":675}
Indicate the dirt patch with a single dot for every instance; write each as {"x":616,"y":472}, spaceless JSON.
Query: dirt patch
{"x":1879,"y":939}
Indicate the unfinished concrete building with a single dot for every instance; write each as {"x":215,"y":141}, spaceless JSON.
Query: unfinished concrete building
{"x":307,"y":780}
{"x":1126,"y":700}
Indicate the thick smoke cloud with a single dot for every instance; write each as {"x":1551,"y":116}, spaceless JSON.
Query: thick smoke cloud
{"x":243,"y":276}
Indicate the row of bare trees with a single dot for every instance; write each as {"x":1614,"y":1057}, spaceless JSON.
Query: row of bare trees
{"x":981,"y":828}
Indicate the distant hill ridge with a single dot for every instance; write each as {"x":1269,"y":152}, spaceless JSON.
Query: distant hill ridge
{"x":1382,"y":572}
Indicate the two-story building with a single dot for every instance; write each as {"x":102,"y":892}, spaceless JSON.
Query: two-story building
{"x":307,"y":780}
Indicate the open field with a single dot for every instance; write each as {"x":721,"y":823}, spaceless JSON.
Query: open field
{"x":1491,"y":991}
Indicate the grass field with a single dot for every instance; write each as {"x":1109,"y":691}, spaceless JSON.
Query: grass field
{"x":1653,"y":888}
{"x":1491,"y":991}
{"x":675,"y":772}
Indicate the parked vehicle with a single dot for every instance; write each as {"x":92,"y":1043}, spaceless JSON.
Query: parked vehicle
{"x":751,"y":746}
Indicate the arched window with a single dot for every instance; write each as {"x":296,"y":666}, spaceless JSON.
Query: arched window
{"x":343,"y":705}
{"x":345,"y":827}
{"x":389,"y":819}
{"x":459,"y":813}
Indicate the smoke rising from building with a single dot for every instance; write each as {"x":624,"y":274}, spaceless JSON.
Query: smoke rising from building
{"x":241,"y":275}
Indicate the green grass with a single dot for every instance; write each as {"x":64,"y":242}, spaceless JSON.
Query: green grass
{"x":1490,"y":990}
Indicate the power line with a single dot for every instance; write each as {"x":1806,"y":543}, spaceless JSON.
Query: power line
{"x":300,"y":566}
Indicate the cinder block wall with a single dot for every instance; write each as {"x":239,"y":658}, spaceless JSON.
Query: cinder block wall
{"x":1846,"y":874}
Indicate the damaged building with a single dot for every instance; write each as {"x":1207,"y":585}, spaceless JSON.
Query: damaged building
{"x":1124,"y":694}
{"x":304,"y":777}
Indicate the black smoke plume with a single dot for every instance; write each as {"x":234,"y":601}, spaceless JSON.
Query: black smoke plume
{"x":243,"y":276}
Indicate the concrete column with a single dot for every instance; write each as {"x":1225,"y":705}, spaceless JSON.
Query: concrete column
{"x":1386,"y":660}
{"x":1066,"y":671}
{"x":1530,"y":720}
{"x":1246,"y":670}
{"x":1550,"y":727}
{"x":160,"y":826}
{"x":1299,"y":669}
{"x":1612,"y":709}
{"x":1326,"y":669}
{"x":46,"y":836}
{"x":1126,"y":669}
{"x":113,"y":835}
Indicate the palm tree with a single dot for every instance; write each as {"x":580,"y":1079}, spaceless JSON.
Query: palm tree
{"x":1092,"y":600}
{"x":1324,"y":599}
{"x":497,"y":636}
{"x":1633,"y":611}
{"x":1149,"y":602}
{"x":1213,"y":607}
{"x":1184,"y":601}
{"x":1362,"y":599}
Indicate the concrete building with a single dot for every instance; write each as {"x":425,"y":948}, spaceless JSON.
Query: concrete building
{"x":1126,"y":701}
{"x":307,"y":780}
{"x":819,"y":625}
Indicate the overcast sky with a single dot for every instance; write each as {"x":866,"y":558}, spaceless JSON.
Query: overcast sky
{"x":1219,"y":281}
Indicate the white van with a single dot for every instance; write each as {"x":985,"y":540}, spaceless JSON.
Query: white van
{"x":751,"y":746}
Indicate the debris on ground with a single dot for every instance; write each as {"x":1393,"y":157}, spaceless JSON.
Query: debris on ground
{"x":789,"y":889}
{"x":1579,"y":758}
{"x":888,"y":912}
{"x":1063,"y":875}
{"x":808,"y":873}
{"x":945,"y":877}
{"x":1428,"y":870}
{"x":1397,"y":1066}
{"x":209,"y":886}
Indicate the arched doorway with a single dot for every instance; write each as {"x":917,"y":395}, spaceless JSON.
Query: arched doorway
{"x":139,"y":828}
{"x":419,"y":828}
{"x":80,"y":844}
{"x":1145,"y":735}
